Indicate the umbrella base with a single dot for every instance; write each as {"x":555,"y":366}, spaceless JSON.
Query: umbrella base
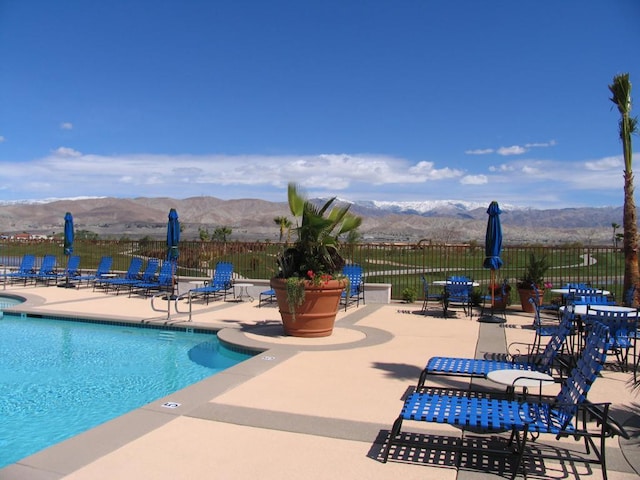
{"x":491,"y":319}
{"x":66,"y":285}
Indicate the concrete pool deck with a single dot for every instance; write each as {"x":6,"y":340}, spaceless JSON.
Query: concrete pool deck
{"x":301,"y":408}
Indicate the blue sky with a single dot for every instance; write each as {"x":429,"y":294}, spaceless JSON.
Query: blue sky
{"x":405,"y":100}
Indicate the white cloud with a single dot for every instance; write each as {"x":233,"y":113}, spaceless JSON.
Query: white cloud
{"x":67,"y":152}
{"x":512,"y":150}
{"x":1,"y":139}
{"x":474,"y":180}
{"x":605,"y":164}
{"x":66,"y":126}
{"x":369,"y":176}
{"x":479,"y":151}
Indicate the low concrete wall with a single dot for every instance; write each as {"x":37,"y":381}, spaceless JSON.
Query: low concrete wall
{"x":373,"y":292}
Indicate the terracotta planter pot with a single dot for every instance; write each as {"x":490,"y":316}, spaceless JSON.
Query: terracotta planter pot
{"x":525,"y":295}
{"x":317,"y":314}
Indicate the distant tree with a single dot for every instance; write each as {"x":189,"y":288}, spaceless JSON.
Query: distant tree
{"x":203,"y":233}
{"x":621,"y":96}
{"x":353,"y":236}
{"x":285,"y":225}
{"x":220,"y":234}
{"x":614,"y":238}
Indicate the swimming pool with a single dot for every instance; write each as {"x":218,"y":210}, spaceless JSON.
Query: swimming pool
{"x":59,"y":378}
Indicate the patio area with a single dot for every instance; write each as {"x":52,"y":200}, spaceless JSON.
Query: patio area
{"x":304,"y":408}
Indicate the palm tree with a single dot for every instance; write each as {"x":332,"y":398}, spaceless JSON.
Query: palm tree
{"x":614,"y":237}
{"x":284,"y":224}
{"x":621,"y":97}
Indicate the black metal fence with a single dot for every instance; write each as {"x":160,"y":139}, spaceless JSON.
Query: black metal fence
{"x":399,"y":265}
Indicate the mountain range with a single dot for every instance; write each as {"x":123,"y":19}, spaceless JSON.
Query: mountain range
{"x":443,"y":221}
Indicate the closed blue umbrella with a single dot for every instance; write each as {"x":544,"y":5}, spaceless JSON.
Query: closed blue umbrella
{"x":68,"y":245}
{"x":173,"y":238}
{"x":493,"y":239}
{"x":493,"y":244}
{"x":68,"y":234}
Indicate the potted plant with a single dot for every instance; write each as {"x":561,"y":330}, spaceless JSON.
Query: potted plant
{"x":495,"y":291}
{"x":309,"y":285}
{"x":532,"y":280}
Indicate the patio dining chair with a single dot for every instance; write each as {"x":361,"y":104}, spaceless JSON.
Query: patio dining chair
{"x":623,"y":327}
{"x":355,"y":291}
{"x":427,"y":296}
{"x":458,"y":294}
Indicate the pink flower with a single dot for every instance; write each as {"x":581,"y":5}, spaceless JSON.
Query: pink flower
{"x":310,"y":274}
{"x":548,"y":285}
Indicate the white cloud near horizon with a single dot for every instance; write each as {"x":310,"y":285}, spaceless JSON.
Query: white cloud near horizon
{"x":68,"y":172}
{"x":512,"y":150}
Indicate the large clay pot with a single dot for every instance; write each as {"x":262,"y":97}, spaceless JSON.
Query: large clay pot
{"x":317,"y":314}
{"x":525,"y":295}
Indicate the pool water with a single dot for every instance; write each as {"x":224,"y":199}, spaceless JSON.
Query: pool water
{"x":59,"y":378}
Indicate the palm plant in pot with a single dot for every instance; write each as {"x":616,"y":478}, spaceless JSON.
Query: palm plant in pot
{"x":308,"y":277}
{"x":532,"y":279}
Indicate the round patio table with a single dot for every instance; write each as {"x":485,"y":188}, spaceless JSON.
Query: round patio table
{"x":243,"y":291}
{"x":524,"y":379}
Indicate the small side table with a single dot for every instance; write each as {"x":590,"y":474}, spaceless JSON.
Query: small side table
{"x":525,"y":379}
{"x":243,"y":291}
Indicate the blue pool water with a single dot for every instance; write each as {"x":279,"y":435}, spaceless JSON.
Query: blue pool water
{"x":59,"y":378}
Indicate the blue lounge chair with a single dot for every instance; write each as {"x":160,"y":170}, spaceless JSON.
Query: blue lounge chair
{"x":565,"y":416}
{"x":104,"y":268}
{"x":220,"y":285}
{"x":477,"y":367}
{"x":26,"y":267}
{"x":46,"y":273}
{"x":131,"y":275}
{"x":71,"y":270}
{"x":164,"y":282}
{"x":148,"y":275}
{"x":355,"y":291}
{"x":267,"y":296}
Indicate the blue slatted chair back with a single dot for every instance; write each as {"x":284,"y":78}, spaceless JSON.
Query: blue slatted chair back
{"x":458,"y":278}
{"x":104,"y":266}
{"x":556,"y":340}
{"x":222,"y":275}
{"x":27,"y":265}
{"x":592,"y":300}
{"x":134,"y":268}
{"x":149,"y":272}
{"x":73,"y":266}
{"x":165,"y":277}
{"x":622,"y":325}
{"x":354,"y":274}
{"x":458,"y":291}
{"x":575,"y":388}
{"x":48,"y":265}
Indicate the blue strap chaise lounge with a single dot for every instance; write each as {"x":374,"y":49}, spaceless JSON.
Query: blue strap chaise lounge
{"x":478,"y":367}
{"x":569,"y":414}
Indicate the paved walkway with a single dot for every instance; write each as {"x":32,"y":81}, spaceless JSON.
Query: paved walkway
{"x":301,"y":408}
